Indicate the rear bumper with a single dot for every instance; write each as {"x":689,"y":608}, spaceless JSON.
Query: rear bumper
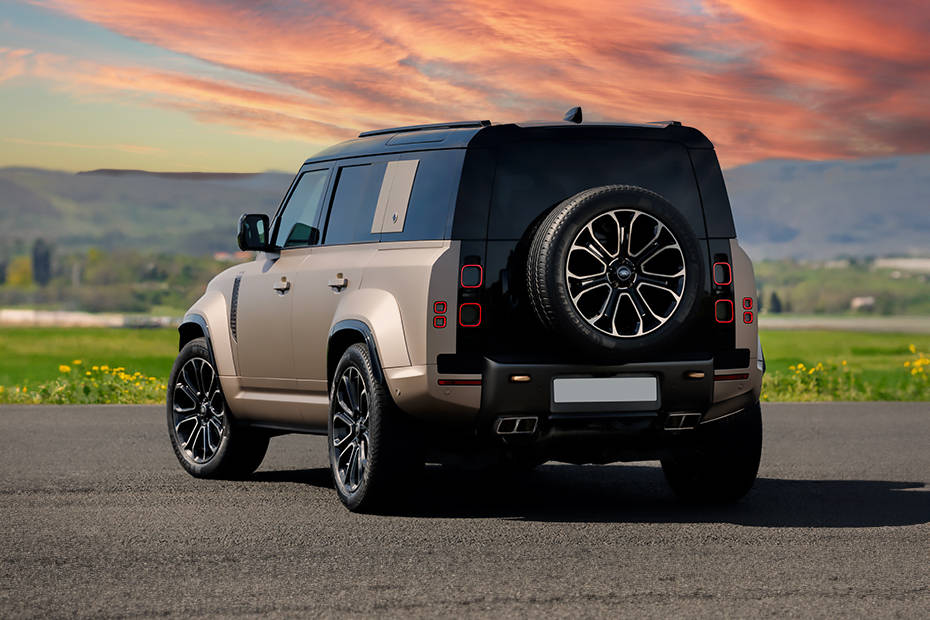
{"x":601,"y":432}
{"x":686,"y":386}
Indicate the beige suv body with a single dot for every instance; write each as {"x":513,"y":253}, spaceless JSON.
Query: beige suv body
{"x":433,"y":247}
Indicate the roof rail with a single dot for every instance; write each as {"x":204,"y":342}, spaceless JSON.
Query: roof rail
{"x":454,"y":125}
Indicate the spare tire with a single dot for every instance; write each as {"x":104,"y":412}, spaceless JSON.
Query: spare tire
{"x":615,"y":269}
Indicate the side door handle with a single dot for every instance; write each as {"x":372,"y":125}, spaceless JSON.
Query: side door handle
{"x":282,"y":286}
{"x":338,"y":283}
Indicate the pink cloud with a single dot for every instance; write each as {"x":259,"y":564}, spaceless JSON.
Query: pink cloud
{"x":763,"y":78}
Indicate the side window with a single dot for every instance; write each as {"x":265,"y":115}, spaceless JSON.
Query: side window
{"x":431,"y":199}
{"x":353,"y":204}
{"x":296,"y":227}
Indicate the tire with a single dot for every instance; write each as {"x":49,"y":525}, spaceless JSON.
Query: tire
{"x":373,"y":452}
{"x":205,"y":438}
{"x":634,"y":300}
{"x":723,"y":463}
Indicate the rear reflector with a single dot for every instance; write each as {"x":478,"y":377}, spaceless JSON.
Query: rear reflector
{"x":747,"y":317}
{"x":460,"y":382}
{"x":439,"y":307}
{"x":747,"y":303}
{"x":723,"y":275}
{"x":723,"y":311}
{"x":439,"y":322}
{"x":737,"y":377}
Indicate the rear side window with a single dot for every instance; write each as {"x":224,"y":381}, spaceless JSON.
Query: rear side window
{"x":534,"y":176}
{"x":353,"y":204}
{"x":300,"y":215}
{"x":429,"y":209}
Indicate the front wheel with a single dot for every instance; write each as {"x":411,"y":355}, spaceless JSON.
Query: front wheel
{"x":722,"y":463}
{"x":204,"y":438}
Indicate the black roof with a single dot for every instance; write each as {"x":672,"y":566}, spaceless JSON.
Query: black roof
{"x":464,"y":134}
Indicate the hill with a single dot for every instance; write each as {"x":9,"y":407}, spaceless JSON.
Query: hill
{"x":192,"y":213}
{"x":816,"y":210}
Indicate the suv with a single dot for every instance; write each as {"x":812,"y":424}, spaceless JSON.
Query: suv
{"x":506,"y":293}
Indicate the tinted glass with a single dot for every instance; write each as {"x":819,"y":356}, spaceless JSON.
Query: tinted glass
{"x":429,"y":211}
{"x":353,"y":204}
{"x":534,"y":176}
{"x":302,"y":211}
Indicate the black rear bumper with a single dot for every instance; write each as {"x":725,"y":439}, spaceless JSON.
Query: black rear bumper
{"x":683,"y":386}
{"x":594,"y":433}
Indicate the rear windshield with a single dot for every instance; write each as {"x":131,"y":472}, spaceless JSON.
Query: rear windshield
{"x":534,"y":176}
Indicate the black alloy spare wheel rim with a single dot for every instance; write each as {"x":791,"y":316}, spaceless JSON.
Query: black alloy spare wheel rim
{"x":350,"y":436}
{"x":199,"y":411}
{"x":625,"y":272}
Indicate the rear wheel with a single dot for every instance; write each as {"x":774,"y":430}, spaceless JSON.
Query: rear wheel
{"x":205,"y":439}
{"x":722,"y":464}
{"x":372,"y":446}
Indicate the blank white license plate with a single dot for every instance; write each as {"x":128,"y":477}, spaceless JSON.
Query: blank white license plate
{"x":605,"y":390}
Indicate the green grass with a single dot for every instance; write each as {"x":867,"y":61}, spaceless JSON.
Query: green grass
{"x":874,"y":361}
{"x":878,"y":358}
{"x":30,"y":355}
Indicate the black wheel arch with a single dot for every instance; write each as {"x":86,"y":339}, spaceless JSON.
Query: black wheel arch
{"x":344,"y":334}
{"x":195,"y":326}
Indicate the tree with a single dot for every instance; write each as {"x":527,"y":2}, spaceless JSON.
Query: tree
{"x":19,"y":273}
{"x":41,"y":262}
{"x":774,"y":303}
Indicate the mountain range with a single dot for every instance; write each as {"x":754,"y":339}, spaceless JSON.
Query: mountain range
{"x":782,"y":209}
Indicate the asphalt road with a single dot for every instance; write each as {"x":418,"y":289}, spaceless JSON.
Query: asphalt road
{"x":98,"y":519}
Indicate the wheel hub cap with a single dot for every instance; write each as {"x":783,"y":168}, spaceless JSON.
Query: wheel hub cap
{"x":199,"y":411}
{"x":625,"y":272}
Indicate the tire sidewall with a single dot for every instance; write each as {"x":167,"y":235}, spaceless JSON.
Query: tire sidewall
{"x":565,"y":223}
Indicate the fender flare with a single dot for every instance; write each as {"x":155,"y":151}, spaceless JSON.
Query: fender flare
{"x":195,"y":321}
{"x":361,"y":328}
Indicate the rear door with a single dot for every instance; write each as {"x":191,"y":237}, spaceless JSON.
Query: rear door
{"x":334,"y":269}
{"x":266,"y":291}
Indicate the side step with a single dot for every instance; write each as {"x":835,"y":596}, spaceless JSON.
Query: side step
{"x":680,"y":421}
{"x":516,"y":425}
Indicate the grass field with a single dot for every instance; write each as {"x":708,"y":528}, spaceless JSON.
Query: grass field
{"x":875,"y":362}
{"x":29,"y":355}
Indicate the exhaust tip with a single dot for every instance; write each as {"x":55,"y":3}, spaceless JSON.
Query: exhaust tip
{"x":512,"y":425}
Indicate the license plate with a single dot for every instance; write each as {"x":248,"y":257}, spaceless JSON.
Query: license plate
{"x":605,"y":390}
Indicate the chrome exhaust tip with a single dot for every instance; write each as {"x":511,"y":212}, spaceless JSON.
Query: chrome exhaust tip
{"x":516,"y":425}
{"x":680,"y":421}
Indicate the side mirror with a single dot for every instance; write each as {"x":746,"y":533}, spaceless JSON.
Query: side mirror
{"x":253,"y":232}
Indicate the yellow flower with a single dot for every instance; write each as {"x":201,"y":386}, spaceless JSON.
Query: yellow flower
{"x":87,"y":373}
{"x":912,"y":349}
{"x":844,"y":362}
{"x":95,"y":367}
{"x":64,"y":368}
{"x":76,"y":362}
{"x":791,"y":367}
{"x":1,"y":389}
{"x":907,"y":363}
{"x":811,"y":371}
{"x":104,"y":367}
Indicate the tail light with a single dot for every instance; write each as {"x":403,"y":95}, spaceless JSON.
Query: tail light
{"x":723,"y":274}
{"x":723,"y":311}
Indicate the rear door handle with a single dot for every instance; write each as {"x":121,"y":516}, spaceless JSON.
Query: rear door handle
{"x":282,"y":286}
{"x":338,"y":283}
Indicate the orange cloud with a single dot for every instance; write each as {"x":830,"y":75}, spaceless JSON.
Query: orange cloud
{"x":763,"y":78}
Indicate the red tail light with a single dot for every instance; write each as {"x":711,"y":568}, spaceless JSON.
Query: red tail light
{"x":723,"y":275}
{"x":470,"y":314}
{"x":723,"y":311}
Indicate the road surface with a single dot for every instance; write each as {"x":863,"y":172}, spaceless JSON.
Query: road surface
{"x":98,"y":519}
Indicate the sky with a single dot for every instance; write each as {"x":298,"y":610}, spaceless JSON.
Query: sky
{"x":251,"y":85}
